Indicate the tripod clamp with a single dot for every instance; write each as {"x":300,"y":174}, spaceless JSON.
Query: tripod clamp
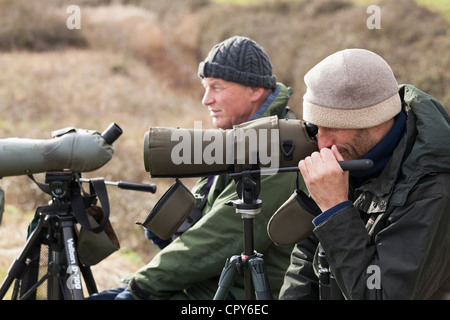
{"x":250,"y":262}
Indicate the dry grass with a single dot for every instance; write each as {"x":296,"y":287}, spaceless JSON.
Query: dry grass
{"x":136,"y":65}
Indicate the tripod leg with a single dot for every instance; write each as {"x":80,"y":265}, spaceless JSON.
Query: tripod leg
{"x":89,"y":279}
{"x":259,"y":277}
{"x":227,"y":277}
{"x":73,"y":282}
{"x":248,"y":252}
{"x":19,"y":264}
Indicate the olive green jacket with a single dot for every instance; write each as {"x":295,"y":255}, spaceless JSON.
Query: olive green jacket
{"x":189,"y":268}
{"x":404,"y":250}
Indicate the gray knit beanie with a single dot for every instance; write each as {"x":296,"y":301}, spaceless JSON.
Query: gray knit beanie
{"x":351,"y":89}
{"x":239,"y":59}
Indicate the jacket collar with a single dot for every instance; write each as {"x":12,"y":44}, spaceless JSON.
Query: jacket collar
{"x":275,"y":103}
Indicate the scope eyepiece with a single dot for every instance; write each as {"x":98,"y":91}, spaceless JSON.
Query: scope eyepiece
{"x":112,"y":133}
{"x":312,"y":130}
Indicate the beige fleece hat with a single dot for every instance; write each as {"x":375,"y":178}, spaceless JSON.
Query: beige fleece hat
{"x":351,"y":89}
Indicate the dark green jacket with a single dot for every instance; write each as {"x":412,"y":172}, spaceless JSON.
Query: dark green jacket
{"x":189,"y":268}
{"x":405,"y":252}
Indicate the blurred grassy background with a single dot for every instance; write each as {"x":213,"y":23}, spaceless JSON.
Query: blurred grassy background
{"x":134,"y":62}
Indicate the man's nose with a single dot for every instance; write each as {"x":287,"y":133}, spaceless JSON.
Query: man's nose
{"x":207,"y":98}
{"x":325,"y":138}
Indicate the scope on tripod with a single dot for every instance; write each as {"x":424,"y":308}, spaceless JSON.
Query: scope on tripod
{"x":78,"y":150}
{"x":267,"y":143}
{"x":57,"y":254}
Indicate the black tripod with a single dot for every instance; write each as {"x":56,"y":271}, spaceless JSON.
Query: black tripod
{"x":52,"y":243}
{"x":250,"y":262}
{"x":48,"y":267}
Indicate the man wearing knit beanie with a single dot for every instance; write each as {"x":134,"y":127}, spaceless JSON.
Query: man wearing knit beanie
{"x":241,"y":60}
{"x":383,"y":231}
{"x":239,"y":86}
{"x":238,"y":80}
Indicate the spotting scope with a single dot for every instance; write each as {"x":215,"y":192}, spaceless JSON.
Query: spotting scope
{"x":77,"y":150}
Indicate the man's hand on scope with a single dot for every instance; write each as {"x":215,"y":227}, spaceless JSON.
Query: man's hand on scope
{"x":326,"y":181}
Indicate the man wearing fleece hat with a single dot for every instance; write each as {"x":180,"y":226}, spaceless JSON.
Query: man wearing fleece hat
{"x":383,"y":233}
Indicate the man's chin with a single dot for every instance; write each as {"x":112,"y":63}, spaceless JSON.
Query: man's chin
{"x":219,"y":124}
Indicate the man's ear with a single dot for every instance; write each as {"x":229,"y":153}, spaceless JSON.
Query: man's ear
{"x":257,"y":93}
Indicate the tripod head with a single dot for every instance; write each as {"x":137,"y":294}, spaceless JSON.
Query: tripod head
{"x":60,"y":185}
{"x":248,"y":186}
{"x":66,"y":190}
